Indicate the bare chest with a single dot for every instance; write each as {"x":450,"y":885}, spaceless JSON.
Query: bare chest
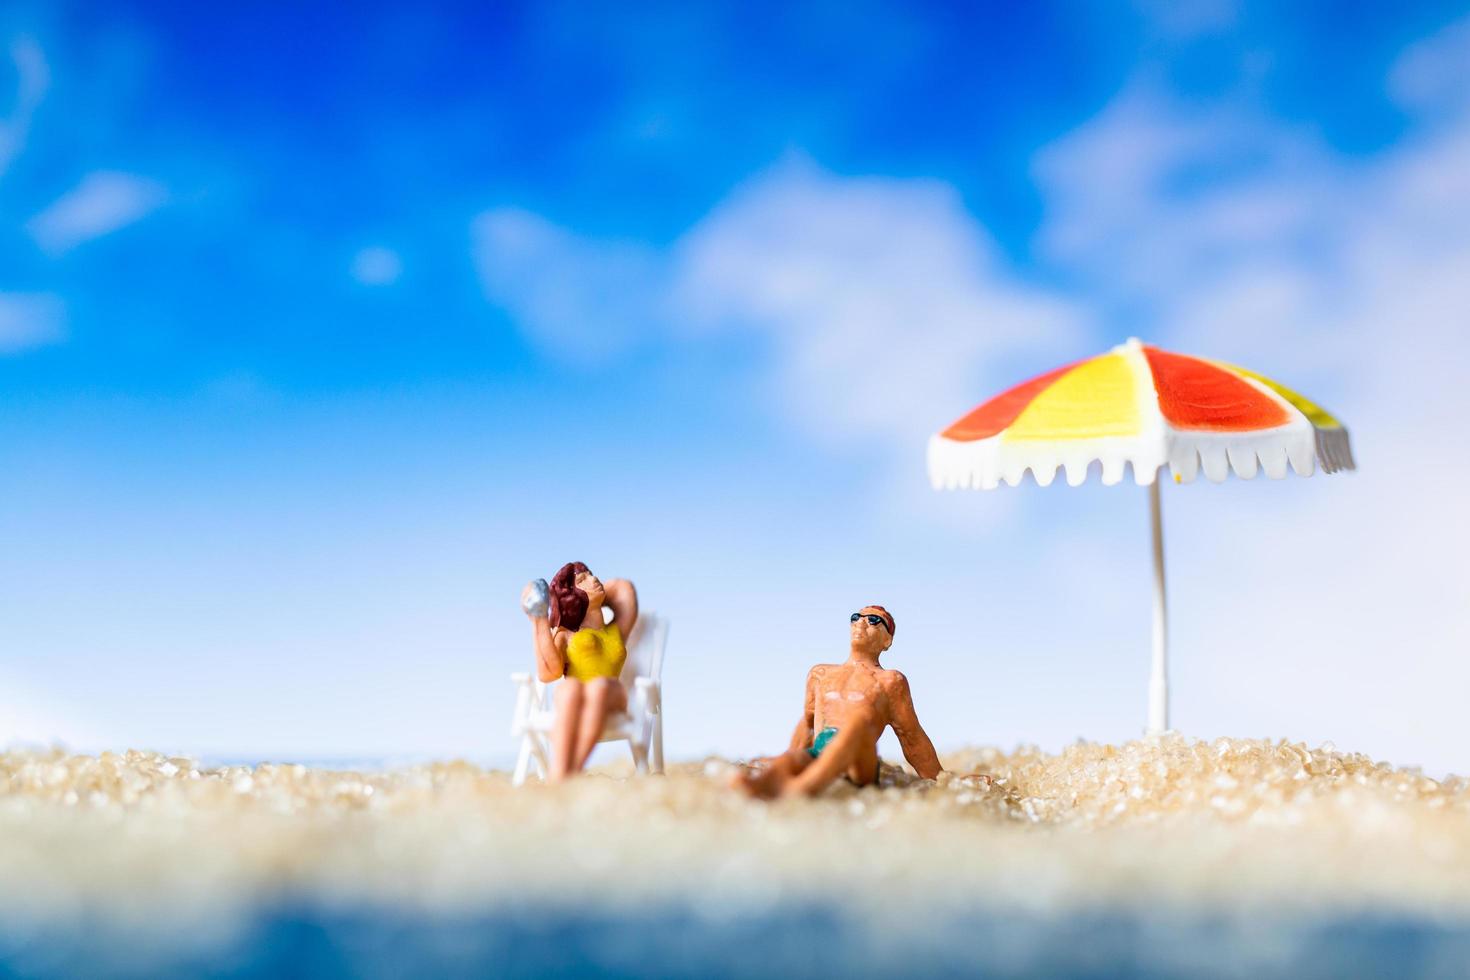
{"x":842,"y":687}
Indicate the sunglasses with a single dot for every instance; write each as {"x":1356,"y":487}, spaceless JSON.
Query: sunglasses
{"x":872,"y":620}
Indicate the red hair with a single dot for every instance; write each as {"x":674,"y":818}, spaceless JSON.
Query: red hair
{"x":567,"y":603}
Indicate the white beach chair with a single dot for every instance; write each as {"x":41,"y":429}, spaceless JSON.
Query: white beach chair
{"x":642,"y":725}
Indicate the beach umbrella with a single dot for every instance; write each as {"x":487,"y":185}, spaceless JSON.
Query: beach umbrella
{"x":1141,"y":407}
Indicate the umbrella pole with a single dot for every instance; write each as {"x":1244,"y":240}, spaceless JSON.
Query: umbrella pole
{"x":1158,"y":682}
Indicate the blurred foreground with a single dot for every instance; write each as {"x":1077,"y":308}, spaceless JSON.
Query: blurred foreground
{"x":1150,"y":858}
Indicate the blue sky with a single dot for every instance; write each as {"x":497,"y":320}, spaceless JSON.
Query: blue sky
{"x":318,"y":337}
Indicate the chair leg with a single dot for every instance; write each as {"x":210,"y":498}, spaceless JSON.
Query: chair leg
{"x":658,"y":742}
{"x":523,"y":762}
{"x":640,"y":756}
{"x":540,"y":756}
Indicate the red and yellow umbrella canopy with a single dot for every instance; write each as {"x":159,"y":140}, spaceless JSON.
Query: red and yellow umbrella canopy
{"x":1142,"y":407}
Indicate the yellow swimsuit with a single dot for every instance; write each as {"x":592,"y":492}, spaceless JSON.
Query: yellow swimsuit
{"x":593,"y":653}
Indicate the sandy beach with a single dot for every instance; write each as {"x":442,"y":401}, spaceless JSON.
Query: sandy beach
{"x":143,"y":845}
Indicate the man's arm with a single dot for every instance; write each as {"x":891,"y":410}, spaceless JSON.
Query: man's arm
{"x":917,"y":748}
{"x":802,"y":737}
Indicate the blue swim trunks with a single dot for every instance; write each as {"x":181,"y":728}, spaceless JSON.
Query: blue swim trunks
{"x":820,"y":742}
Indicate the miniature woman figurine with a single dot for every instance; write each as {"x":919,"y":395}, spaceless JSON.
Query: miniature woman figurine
{"x":575,"y":644}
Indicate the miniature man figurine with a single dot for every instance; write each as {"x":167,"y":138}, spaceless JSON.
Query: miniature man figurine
{"x":847,"y":707}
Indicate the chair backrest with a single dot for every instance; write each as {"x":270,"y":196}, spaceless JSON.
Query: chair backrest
{"x":645,"y":649}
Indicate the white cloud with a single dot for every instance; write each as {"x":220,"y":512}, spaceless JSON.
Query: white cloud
{"x":884,"y":302}
{"x":1184,"y":19}
{"x":1435,"y":73}
{"x":30,"y":320}
{"x":1155,"y":197}
{"x":578,"y":298}
{"x":102,"y":203}
{"x":33,"y":78}
{"x":377,"y":266}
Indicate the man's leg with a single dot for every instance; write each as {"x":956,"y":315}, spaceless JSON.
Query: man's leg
{"x":852,"y":751}
{"x":767,"y":781}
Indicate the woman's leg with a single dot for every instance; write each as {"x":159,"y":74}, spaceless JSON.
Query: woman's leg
{"x":604,"y":697}
{"x":568,"y":698}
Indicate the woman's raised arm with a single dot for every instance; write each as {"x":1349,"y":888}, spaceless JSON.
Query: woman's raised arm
{"x":622,"y":598}
{"x":550,"y":662}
